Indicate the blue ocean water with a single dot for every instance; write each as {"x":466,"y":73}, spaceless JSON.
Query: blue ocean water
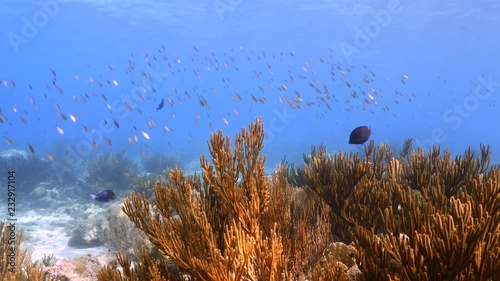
{"x":314,"y":70}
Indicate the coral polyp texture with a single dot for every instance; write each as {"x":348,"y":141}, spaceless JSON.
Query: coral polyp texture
{"x":414,"y":216}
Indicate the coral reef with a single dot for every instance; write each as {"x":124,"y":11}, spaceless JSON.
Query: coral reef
{"x":158,"y":164}
{"x":407,"y":148}
{"x":414,"y":216}
{"x":48,"y":260}
{"x":39,"y":191}
{"x":110,"y":171}
{"x":120,"y":226}
{"x":88,"y":234}
{"x":15,"y":263}
{"x":295,"y":174}
{"x":80,"y":268}
{"x":30,"y":169}
{"x":445,"y":226}
{"x":153,"y":266}
{"x":145,"y":184}
{"x":335,"y":263}
{"x":44,"y":195}
{"x":234,"y":223}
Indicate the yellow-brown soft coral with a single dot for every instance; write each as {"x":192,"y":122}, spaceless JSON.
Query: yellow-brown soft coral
{"x":16,"y":264}
{"x":234,"y":223}
{"x":414,"y":217}
{"x":446,"y":225}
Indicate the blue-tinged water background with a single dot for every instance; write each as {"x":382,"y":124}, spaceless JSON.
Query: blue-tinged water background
{"x":426,"y":70}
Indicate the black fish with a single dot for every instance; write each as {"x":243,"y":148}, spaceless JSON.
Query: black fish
{"x":160,"y":106}
{"x":103,"y":196}
{"x":360,"y":135}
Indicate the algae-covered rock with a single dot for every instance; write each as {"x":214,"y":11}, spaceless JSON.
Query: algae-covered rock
{"x":88,"y":234}
{"x":39,"y":191}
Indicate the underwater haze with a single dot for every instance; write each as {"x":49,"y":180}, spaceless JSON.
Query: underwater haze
{"x":314,"y":70}
{"x":84,"y":78}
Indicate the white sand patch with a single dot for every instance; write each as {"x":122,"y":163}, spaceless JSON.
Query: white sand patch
{"x":45,"y":234}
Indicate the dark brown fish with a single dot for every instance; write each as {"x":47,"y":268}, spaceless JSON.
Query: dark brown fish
{"x":360,"y":135}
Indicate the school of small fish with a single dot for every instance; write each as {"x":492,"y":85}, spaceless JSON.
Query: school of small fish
{"x":130,"y":96}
